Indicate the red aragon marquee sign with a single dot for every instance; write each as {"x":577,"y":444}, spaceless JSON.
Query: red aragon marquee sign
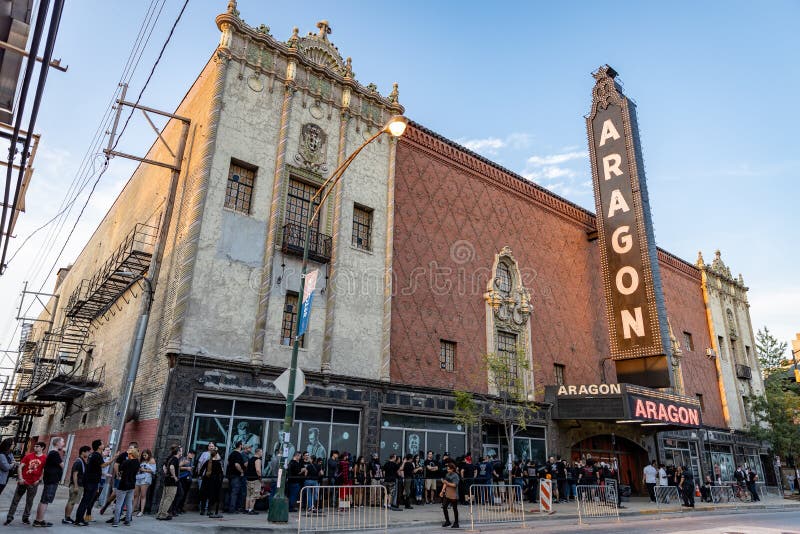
{"x":631,"y":280}
{"x":663,"y":411}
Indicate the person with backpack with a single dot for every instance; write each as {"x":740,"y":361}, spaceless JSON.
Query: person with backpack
{"x":170,"y":471}
{"x":211,"y":474}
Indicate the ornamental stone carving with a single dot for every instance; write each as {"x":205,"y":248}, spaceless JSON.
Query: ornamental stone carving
{"x":508,"y":299}
{"x":313,"y":148}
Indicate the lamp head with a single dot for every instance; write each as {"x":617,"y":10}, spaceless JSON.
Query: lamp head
{"x":396,"y":126}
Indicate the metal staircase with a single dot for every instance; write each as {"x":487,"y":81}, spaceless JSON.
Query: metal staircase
{"x":60,"y":370}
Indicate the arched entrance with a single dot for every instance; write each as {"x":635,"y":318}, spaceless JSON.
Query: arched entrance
{"x":605,"y":448}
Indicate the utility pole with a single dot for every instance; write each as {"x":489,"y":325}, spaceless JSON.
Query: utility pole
{"x":151,"y":280}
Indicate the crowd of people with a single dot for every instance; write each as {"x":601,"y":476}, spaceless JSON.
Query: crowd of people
{"x":122,"y":483}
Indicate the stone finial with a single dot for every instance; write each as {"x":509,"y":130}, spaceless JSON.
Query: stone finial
{"x":718,"y":254}
{"x":395,"y":94}
{"x":263,"y":28}
{"x":232,"y":8}
{"x":372,"y":87}
{"x":741,"y":280}
{"x":324,"y":30}
{"x":292,"y":42}
{"x":700,"y":263}
{"x":348,"y":68}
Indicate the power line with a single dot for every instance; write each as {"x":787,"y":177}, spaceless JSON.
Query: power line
{"x":116,"y":142}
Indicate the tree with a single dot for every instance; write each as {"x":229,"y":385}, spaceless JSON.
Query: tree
{"x":770,"y":352}
{"x":780,"y":409}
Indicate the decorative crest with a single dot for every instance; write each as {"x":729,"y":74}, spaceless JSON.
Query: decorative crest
{"x":313,"y":148}
{"x":320,"y":50}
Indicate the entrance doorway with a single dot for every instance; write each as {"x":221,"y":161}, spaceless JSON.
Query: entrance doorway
{"x":630,"y":457}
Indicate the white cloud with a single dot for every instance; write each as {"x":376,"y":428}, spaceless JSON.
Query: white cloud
{"x":490,"y":145}
{"x":555,"y":159}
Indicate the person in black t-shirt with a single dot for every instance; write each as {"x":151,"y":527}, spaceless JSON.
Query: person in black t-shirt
{"x":91,"y":481}
{"x":467,"y":478}
{"x":236,"y":481}
{"x":76,"y":482}
{"x":294,"y":480}
{"x":127,"y":471}
{"x":51,"y":476}
{"x":170,"y":470}
{"x":390,"y":469}
{"x":111,"y":497}
{"x":431,"y":474}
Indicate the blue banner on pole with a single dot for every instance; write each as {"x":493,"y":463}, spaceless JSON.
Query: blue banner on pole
{"x":308,"y":296}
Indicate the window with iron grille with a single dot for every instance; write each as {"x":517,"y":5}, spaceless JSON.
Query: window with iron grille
{"x":688,"y":342}
{"x":290,"y":308}
{"x":298,"y":203}
{"x":447,"y":355}
{"x":700,"y":399}
{"x":240,"y":187}
{"x":503,"y":280}
{"x":362,"y":227}
{"x":559,"y":372}
{"x":507,"y":351}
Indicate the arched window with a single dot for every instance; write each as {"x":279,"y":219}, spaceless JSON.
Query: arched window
{"x":503,"y":281}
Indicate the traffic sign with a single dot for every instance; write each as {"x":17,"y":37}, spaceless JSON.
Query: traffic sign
{"x":282,"y":383}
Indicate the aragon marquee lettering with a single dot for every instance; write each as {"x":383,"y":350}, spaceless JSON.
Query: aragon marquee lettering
{"x":591,"y":389}
{"x":653,"y":410}
{"x":628,"y":260}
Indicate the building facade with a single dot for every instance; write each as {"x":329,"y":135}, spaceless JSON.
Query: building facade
{"x":429,"y":258}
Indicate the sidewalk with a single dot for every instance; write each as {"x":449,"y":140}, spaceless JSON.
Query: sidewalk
{"x":427,"y":516}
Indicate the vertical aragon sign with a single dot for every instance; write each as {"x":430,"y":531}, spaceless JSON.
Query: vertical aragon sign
{"x":631,"y":280}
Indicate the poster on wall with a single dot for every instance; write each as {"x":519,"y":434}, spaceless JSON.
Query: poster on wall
{"x":248,"y":432}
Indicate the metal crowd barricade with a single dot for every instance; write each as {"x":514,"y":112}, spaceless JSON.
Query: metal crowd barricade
{"x":769,"y":492}
{"x":668,"y":499}
{"x":722,"y":494}
{"x":491,"y":504}
{"x":596,"y":502}
{"x":330,"y":508}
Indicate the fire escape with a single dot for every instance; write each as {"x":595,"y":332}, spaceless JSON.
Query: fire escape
{"x":61,"y":370}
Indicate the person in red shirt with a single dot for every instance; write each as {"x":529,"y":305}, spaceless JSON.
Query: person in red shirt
{"x":30,"y":475}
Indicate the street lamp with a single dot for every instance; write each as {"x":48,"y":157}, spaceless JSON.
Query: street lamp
{"x":279,"y":506}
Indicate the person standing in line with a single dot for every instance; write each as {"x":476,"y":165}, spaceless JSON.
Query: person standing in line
{"x":171,"y":467}
{"x":7,"y":462}
{"x":211,"y":473}
{"x":144,"y":478}
{"x":127,"y":470}
{"x":686,"y":483}
{"x":113,"y":469}
{"x":650,"y":478}
{"x":75,"y":483}
{"x":345,"y":481}
{"x":449,"y":495}
{"x":184,"y":481}
{"x":312,"y":480}
{"x":407,"y":468}
{"x":295,"y":477}
{"x":360,"y":480}
{"x":31,"y":469}
{"x":431,"y":472}
{"x":201,"y":463}
{"x":253,"y":475}
{"x":751,"y":484}
{"x":390,"y":469}
{"x":235,"y":474}
{"x":51,"y":476}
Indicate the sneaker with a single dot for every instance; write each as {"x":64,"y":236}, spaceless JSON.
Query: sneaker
{"x":8,"y":520}
{"x":81,"y":524}
{"x":114,"y":524}
{"x":67,"y":521}
{"x":446,"y":524}
{"x":215,"y":516}
{"x":26,"y":521}
{"x":110,"y":520}
{"x":455,"y":525}
{"x":126,"y":523}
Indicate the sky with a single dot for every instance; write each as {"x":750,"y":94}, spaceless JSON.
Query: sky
{"x":715,"y":84}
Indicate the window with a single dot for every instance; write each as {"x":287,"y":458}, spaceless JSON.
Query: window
{"x":447,"y":355}
{"x":240,"y":187}
{"x":720,"y":344}
{"x":88,"y":360}
{"x":507,"y":350}
{"x":747,"y":352}
{"x":746,"y":404}
{"x":290,"y":309}
{"x":688,"y":343}
{"x":298,"y":202}
{"x":559,"y":372}
{"x":700,"y":399}
{"x":362,"y":227}
{"x":503,"y":280}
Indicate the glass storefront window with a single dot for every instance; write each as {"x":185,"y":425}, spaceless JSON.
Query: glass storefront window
{"x":529,"y":448}
{"x":316,"y":429}
{"x":406,"y":434}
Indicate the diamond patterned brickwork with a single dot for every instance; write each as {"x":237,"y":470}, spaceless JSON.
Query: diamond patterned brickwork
{"x":687,"y":313}
{"x":450,"y":221}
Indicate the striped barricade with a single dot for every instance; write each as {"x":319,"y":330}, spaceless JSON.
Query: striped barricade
{"x":722,"y":495}
{"x":330,"y":508}
{"x":491,"y":504}
{"x":545,"y":495}
{"x":668,"y":499}
{"x":597,"y":502}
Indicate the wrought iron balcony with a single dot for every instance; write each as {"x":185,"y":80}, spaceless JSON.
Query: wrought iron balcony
{"x":319,"y":248}
{"x":743,"y":371}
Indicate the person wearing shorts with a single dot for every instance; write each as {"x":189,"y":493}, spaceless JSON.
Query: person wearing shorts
{"x":431,"y":477}
{"x":76,"y":483}
{"x":53,"y":470}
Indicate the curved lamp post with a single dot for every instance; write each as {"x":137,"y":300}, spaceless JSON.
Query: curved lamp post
{"x":279,"y":506}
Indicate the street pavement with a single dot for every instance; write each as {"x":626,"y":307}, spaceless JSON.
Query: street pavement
{"x":779,"y":515}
